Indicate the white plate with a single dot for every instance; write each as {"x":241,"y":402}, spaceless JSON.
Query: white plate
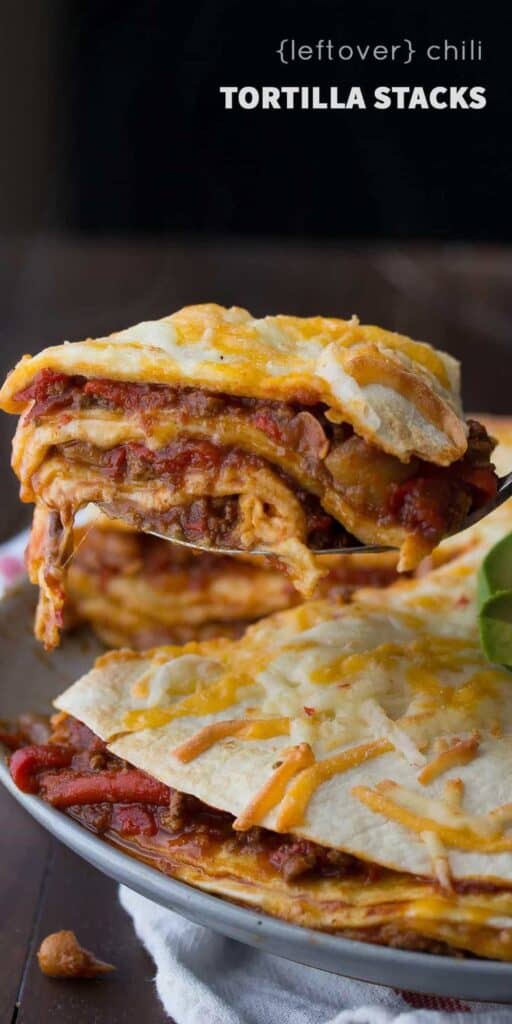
{"x":31,"y":677}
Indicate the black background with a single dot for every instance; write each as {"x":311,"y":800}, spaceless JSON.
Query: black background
{"x":127,"y":191}
{"x":113,"y":122}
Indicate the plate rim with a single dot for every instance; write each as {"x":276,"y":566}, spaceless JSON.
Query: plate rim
{"x":426,"y":972}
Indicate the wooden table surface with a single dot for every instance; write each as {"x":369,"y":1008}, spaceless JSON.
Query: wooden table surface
{"x":458,"y":298}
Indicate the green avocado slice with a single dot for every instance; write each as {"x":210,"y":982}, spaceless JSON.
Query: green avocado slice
{"x":495,"y":573}
{"x":495,"y":621}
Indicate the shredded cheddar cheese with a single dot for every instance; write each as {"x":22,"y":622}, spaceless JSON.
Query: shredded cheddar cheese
{"x":453,"y":792}
{"x":294,"y":759}
{"x":296,"y":800}
{"x":459,"y":753}
{"x":383,"y":725}
{"x":265,"y":728}
{"x":418,"y":814}
{"x":439,"y":860}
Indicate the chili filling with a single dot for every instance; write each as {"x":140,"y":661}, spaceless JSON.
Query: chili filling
{"x":74,"y":771}
{"x":420,"y":497}
{"x":207,"y":519}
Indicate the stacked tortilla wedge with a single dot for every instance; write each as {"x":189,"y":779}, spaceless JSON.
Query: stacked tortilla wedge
{"x":343,"y":764}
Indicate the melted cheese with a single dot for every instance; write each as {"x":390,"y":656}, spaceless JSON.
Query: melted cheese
{"x":350,"y":665}
{"x":217,"y":697}
{"x":183,"y":675}
{"x":416,"y":411}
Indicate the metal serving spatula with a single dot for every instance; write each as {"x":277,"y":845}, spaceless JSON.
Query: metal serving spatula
{"x":503,"y":493}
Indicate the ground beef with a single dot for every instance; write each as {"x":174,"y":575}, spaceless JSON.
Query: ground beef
{"x":299,"y":857}
{"x":174,"y":817}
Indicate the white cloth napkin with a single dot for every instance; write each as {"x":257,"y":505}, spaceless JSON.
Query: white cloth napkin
{"x":203,"y":978}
